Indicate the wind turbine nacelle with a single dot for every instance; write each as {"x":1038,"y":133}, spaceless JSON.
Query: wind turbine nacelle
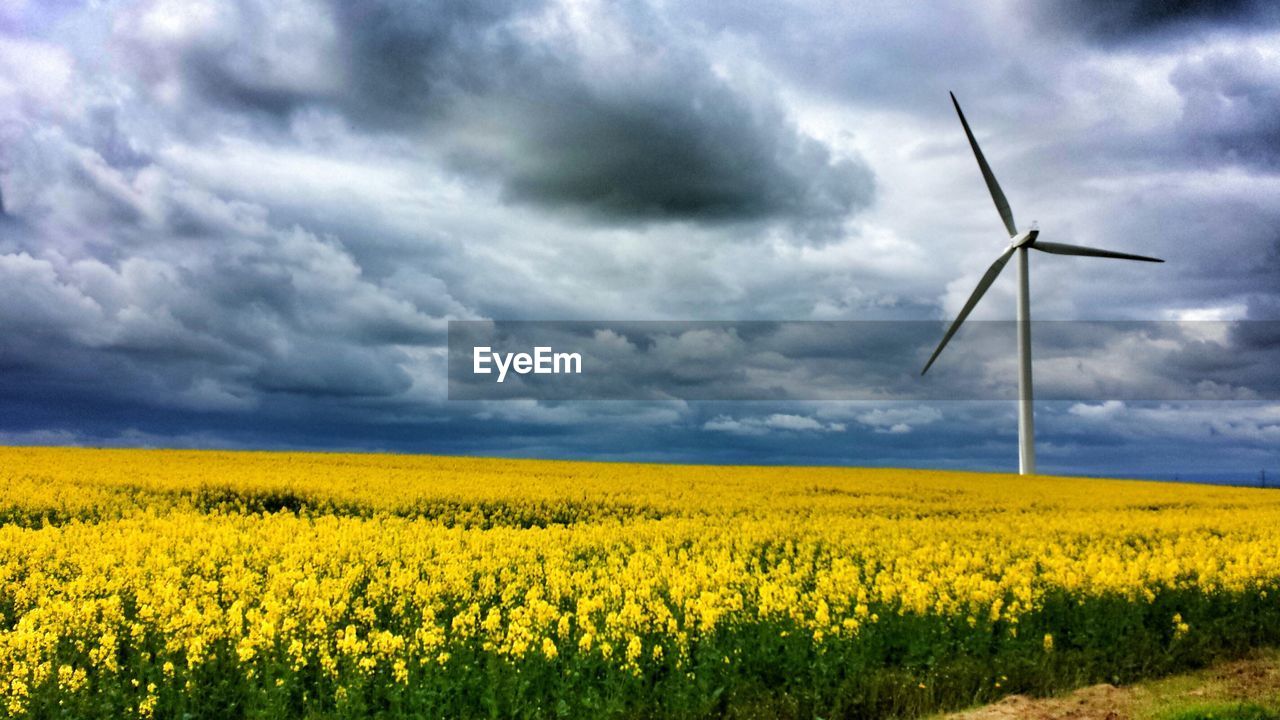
{"x":1025,"y":238}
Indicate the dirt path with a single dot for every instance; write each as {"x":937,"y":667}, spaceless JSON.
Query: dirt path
{"x":1254,"y":679}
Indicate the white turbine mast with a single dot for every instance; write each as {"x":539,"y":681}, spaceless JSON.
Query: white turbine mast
{"x":1019,"y":243}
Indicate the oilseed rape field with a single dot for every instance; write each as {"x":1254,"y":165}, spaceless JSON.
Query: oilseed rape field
{"x":185,"y":584}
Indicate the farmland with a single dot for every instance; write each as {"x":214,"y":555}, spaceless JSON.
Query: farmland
{"x":216,"y":584}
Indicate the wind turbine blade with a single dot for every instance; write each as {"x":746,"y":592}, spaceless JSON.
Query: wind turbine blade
{"x":1065,"y":249}
{"x":992,"y":273}
{"x":997,"y":194}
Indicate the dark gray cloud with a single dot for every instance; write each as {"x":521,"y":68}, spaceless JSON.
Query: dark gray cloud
{"x":1231,"y":106}
{"x":189,"y":300}
{"x":636,"y":126}
{"x":682,"y":147}
{"x":1126,"y":20}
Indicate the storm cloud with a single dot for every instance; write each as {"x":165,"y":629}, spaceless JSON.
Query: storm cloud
{"x":602,"y":108}
{"x":1138,"y":20}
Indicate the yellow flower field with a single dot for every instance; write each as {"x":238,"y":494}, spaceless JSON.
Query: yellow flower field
{"x":220,"y":584}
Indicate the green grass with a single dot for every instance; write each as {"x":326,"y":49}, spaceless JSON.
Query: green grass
{"x":1221,"y":711}
{"x":1246,"y":688}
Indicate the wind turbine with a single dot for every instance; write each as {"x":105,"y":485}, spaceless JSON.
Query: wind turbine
{"x":1019,"y":243}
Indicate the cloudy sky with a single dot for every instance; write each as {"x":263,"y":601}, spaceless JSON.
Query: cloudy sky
{"x":248,"y":223}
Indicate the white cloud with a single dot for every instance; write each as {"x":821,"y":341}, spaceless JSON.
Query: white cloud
{"x":1192,"y":422}
{"x":1108,"y":409}
{"x":892,"y":418}
{"x":776,"y":422}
